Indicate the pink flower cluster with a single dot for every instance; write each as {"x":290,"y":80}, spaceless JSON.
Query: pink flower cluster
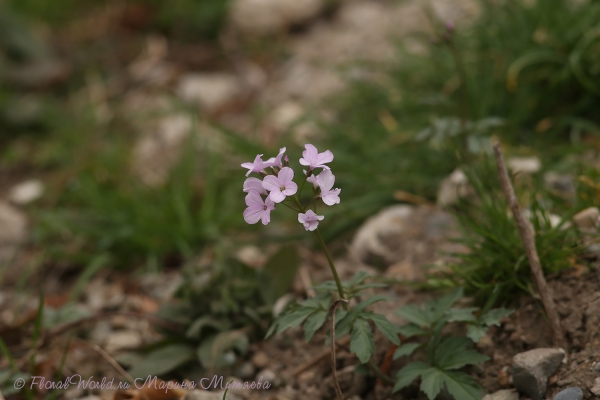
{"x":277,"y":185}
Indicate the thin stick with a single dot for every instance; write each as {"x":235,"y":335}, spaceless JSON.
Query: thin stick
{"x":527,"y":235}
{"x":318,"y":358}
{"x":108,"y":358}
{"x":338,"y":390}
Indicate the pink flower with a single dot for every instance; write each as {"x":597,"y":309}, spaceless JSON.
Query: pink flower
{"x":276,"y":161}
{"x":258,"y":209}
{"x":254,"y":184}
{"x":310,"y":220}
{"x":256,"y":166}
{"x":313,"y":159}
{"x":281,"y":185}
{"x":325,"y":181}
{"x":311,"y":179}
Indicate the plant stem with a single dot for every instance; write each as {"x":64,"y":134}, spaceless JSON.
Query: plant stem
{"x":288,"y":206}
{"x":331,"y":264}
{"x":462,"y":74}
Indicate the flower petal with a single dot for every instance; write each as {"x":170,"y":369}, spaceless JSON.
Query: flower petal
{"x":285,"y":175}
{"x":271,"y":183}
{"x":266,"y":217}
{"x":332,"y":197}
{"x":325,"y":180}
{"x":312,"y":225}
{"x":324,"y":157}
{"x":253,"y":199}
{"x":276,"y":197}
{"x":254,"y":184}
{"x":290,"y":189}
{"x":252,"y":215}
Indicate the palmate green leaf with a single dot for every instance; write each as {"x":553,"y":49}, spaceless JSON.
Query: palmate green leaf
{"x":432,"y":381}
{"x":406,"y":350}
{"x":475,"y":332}
{"x":462,"y":314}
{"x":362,"y":341}
{"x":462,"y":386}
{"x":345,"y":324}
{"x":453,"y":353}
{"x":313,"y":323}
{"x":292,"y":319}
{"x":358,"y":278}
{"x":414,"y":314}
{"x":411,"y":330}
{"x":389,"y":330}
{"x":444,"y":303}
{"x":494,"y":316}
{"x":367,"y":302}
{"x":408,"y":374}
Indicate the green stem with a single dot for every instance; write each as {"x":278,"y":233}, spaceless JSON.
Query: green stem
{"x":288,"y":206}
{"x":462,"y":74}
{"x":331,"y":264}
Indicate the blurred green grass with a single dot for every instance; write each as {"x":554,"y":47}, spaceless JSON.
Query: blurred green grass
{"x":534,"y":67}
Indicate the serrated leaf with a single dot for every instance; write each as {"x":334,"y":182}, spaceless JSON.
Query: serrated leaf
{"x":462,"y":314}
{"x":163,"y":360}
{"x":406,"y":350}
{"x":344,"y":325}
{"x":293,"y":319}
{"x":408,"y":374}
{"x":389,"y":330}
{"x":462,"y":386}
{"x":494,"y":316}
{"x":358,"y":278}
{"x":367,"y":302}
{"x":444,"y":303}
{"x":362,"y":341}
{"x":313,"y":323}
{"x":414,"y":314}
{"x":453,"y":353}
{"x":432,"y":381}
{"x":476,"y":332}
{"x":411,"y":330}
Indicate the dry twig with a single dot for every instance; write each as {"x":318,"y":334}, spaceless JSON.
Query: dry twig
{"x":528,"y":237}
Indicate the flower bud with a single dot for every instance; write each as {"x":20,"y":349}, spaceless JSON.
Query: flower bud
{"x":286,"y":161}
{"x":450,"y":26}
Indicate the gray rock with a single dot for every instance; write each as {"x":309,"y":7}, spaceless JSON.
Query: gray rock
{"x":531,"y":370}
{"x":26,"y":192}
{"x":507,"y":394}
{"x":588,"y":220}
{"x":453,"y":188}
{"x":525,"y":165}
{"x":260,"y":17}
{"x":572,"y":393}
{"x":596,"y":388}
{"x":562,"y":183}
{"x":597,"y":367}
{"x":245,"y":371}
{"x":210,"y":91}
{"x":13,"y":231}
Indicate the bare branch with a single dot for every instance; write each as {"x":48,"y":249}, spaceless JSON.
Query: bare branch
{"x":528,"y":238}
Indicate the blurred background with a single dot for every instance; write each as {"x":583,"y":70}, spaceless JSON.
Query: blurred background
{"x":123,"y":124}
